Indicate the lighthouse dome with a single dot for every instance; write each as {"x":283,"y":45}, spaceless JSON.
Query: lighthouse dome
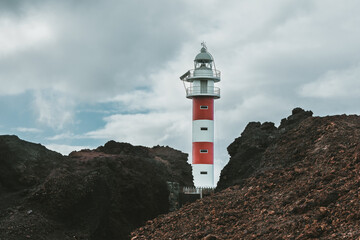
{"x":204,"y":68}
{"x":204,"y":56}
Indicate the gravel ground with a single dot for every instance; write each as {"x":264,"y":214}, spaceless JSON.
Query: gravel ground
{"x":306,"y":186}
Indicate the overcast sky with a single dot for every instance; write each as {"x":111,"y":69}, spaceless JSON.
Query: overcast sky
{"x":75,"y":74}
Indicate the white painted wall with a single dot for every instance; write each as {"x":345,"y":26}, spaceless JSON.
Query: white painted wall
{"x":196,"y":84}
{"x":203,"y":180}
{"x":199,"y":135}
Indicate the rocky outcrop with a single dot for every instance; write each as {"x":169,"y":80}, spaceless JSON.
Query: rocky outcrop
{"x":247,"y":151}
{"x":90,"y":194}
{"x":305,"y":184}
{"x":24,"y":164}
{"x":171,"y":164}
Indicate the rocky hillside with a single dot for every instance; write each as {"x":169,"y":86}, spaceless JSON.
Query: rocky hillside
{"x":247,"y":151}
{"x":298,"y":181}
{"x":91,"y":194}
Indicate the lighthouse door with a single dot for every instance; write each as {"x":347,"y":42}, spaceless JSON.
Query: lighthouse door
{"x":203,"y":86}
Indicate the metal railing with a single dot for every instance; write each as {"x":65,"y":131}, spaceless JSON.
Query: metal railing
{"x":198,"y":190}
{"x":201,"y":91}
{"x":208,"y":73}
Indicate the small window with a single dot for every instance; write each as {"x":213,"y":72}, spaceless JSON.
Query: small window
{"x":203,"y":150}
{"x":203,"y":172}
{"x":203,"y":128}
{"x":203,"y":107}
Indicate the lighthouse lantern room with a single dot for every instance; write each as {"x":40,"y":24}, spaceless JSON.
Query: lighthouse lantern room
{"x":200,"y":87}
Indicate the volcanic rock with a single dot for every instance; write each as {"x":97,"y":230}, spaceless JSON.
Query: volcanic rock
{"x":24,"y":164}
{"x":247,"y":151}
{"x":91,"y":194}
{"x":304,"y":184}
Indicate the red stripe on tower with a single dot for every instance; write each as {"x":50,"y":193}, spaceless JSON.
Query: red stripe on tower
{"x":203,"y":108}
{"x":203,"y":153}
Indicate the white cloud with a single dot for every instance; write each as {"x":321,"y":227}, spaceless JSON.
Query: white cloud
{"x":30,"y":32}
{"x":341,"y":83}
{"x":53,"y":109}
{"x":66,"y":135}
{"x":65,"y":149}
{"x":169,"y":128}
{"x":28,"y":130}
{"x":115,"y":55}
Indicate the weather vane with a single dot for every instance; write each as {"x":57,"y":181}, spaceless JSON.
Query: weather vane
{"x":203,"y":44}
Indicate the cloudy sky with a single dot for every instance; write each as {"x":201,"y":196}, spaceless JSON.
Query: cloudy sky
{"x":75,"y":74}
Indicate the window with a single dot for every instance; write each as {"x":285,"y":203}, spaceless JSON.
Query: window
{"x":203,"y":86}
{"x":203,"y":150}
{"x":203,"y":172}
{"x":203,"y":128}
{"x":203,"y":107}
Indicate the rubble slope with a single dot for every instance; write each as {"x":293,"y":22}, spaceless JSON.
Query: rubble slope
{"x":305,"y":184}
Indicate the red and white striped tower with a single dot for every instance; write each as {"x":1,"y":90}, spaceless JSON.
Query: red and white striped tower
{"x":203,"y":92}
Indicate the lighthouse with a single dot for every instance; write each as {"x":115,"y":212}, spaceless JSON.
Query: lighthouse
{"x":199,"y":84}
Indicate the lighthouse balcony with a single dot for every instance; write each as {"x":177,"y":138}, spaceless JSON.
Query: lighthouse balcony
{"x":203,"y":92}
{"x":195,"y":74}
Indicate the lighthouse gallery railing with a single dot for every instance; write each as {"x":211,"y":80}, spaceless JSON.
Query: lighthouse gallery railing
{"x":194,"y":74}
{"x":201,"y":91}
{"x":209,"y":72}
